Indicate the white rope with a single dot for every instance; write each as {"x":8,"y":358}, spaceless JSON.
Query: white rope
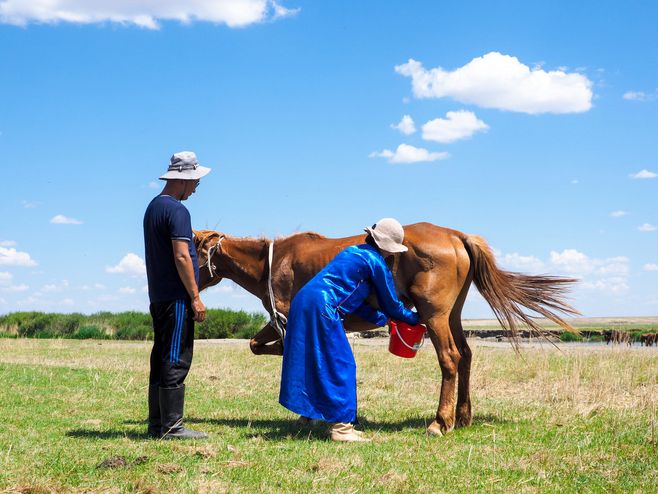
{"x":211,"y":253}
{"x":277,"y":320}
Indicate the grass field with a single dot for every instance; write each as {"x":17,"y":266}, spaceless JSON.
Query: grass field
{"x":578,"y":419}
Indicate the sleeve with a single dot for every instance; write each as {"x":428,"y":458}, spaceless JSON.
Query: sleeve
{"x":386,"y":294}
{"x":370,"y":314}
{"x":180,"y":224}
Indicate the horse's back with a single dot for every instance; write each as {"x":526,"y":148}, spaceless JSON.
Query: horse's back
{"x":430,"y":247}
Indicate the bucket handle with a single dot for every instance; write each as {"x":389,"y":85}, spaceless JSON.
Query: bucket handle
{"x":397,"y":332}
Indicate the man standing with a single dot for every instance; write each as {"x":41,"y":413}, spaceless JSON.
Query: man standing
{"x":173,"y":274}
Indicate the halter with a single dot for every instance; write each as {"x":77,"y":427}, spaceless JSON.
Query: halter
{"x":211,"y":252}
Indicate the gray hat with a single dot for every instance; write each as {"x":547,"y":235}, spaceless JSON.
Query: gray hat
{"x":388,"y":235}
{"x":185,"y":166}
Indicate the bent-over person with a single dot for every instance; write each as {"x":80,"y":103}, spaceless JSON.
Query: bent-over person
{"x":318,"y":379}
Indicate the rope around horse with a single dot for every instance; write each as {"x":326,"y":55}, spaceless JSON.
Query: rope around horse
{"x":277,"y":319}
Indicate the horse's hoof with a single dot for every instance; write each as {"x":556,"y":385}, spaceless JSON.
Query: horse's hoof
{"x":464,"y":421}
{"x":434,"y":429}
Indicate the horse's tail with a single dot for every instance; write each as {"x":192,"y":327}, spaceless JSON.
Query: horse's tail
{"x":508,"y":293}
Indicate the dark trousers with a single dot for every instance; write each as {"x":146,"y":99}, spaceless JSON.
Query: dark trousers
{"x":173,"y":343}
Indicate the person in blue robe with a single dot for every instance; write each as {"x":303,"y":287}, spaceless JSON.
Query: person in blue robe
{"x":318,"y":378}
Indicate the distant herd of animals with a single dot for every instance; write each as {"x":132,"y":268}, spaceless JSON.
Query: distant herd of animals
{"x":620,"y":337}
{"x":613,"y":336}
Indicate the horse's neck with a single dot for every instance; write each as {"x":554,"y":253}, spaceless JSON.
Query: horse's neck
{"x":248,"y":264}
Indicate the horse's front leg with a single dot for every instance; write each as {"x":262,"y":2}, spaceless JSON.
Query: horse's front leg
{"x":266,"y":342}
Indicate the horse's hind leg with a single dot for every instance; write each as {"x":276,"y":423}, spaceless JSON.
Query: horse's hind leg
{"x":449,"y":359}
{"x":463,"y":416}
{"x":439,"y":296}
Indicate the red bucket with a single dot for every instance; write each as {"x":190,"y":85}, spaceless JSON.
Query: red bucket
{"x":405,"y":339}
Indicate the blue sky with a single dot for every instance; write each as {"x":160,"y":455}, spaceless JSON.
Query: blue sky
{"x":532,"y":124}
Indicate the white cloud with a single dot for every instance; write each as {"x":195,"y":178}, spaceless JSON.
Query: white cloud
{"x":517,"y":262}
{"x":575,"y":181}
{"x":16,"y":288}
{"x":576,"y":263}
{"x":638,"y":96}
{"x":652,"y":266}
{"x":60,"y":219}
{"x":406,"y":125}
{"x":127,"y":290}
{"x":154,"y":185}
{"x":7,"y":243}
{"x":647,"y":227}
{"x":457,"y":125}
{"x":644,"y":174}
{"x":55,"y":287}
{"x":12,"y":257}
{"x":30,"y":302}
{"x":95,"y":286}
{"x":501,"y":81}
{"x":130,"y":264}
{"x":281,"y":12}
{"x":614,"y":285}
{"x":571,"y":261}
{"x":409,"y":154}
{"x":607,"y":275}
{"x":5,"y":278}
{"x":29,"y":204}
{"x":618,"y":214}
{"x":223,"y":287}
{"x":142,"y":13}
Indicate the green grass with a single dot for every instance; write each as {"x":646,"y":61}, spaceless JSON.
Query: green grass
{"x":576,"y":420}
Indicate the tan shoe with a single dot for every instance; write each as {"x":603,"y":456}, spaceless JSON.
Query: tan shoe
{"x":345,"y":432}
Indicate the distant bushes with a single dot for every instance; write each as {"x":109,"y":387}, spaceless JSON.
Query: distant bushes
{"x":219,"y":323}
{"x":568,"y":337}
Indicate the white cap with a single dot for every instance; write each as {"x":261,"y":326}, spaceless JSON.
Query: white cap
{"x":388,"y":235}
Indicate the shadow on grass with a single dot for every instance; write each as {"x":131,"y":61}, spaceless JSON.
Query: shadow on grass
{"x":489,"y":419}
{"x":107,"y":434}
{"x":271,"y":429}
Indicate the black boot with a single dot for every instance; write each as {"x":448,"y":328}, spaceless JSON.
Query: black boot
{"x":171,"y":407}
{"x":155,"y":424}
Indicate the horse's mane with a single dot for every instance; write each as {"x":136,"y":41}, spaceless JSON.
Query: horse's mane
{"x":308,"y":235}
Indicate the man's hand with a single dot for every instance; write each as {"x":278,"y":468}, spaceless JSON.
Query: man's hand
{"x":185,"y":270}
{"x":199,"y":309}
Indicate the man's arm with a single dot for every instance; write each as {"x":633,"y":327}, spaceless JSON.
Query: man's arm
{"x":185,"y":270}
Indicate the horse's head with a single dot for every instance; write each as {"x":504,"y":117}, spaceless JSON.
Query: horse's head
{"x":208,"y":245}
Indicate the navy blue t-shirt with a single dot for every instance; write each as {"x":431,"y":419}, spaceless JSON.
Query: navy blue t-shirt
{"x":166,"y":219}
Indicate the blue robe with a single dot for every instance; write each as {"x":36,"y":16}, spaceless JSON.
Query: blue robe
{"x":318,"y":378}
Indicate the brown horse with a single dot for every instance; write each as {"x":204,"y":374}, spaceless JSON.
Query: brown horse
{"x":434,"y":275}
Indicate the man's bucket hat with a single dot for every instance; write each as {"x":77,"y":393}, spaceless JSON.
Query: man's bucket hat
{"x":185,"y":166}
{"x":388,"y":235}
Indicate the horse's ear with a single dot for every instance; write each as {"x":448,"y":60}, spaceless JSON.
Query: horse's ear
{"x":202,"y":237}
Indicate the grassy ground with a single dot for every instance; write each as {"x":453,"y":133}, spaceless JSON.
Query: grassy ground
{"x":576,"y":420}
